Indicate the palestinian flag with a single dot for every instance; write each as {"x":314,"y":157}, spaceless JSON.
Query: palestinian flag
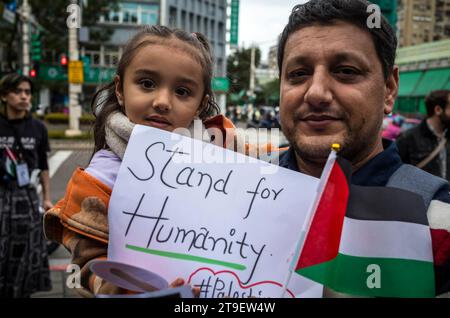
{"x":367,"y":241}
{"x":10,"y":162}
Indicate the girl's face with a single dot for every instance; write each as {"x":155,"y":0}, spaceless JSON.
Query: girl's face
{"x":162,"y":86}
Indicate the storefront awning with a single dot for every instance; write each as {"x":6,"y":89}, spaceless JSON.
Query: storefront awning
{"x":408,"y":82}
{"x":432,"y":80}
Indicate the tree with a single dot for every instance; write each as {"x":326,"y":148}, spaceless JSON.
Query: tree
{"x":238,"y":69}
{"x":271,"y":92}
{"x":52,"y":16}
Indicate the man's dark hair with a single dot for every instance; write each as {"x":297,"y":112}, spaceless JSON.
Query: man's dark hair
{"x":11,"y":81}
{"x":436,"y":98}
{"x":326,"y":12}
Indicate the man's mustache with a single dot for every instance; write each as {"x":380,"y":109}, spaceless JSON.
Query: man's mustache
{"x":320,"y":116}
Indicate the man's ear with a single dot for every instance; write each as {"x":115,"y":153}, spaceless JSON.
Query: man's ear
{"x":203,"y":105}
{"x":438,"y":110}
{"x":391,"y":90}
{"x":118,"y":89}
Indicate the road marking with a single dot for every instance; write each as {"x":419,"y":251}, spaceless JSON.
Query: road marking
{"x":57,"y":160}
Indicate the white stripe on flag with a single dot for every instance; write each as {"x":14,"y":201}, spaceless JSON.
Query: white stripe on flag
{"x":386,"y":239}
{"x":439,"y":215}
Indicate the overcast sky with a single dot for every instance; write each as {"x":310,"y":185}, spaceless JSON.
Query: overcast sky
{"x":261,"y":21}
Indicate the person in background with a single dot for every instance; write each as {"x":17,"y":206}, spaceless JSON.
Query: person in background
{"x":23,"y":163}
{"x":426,"y":145}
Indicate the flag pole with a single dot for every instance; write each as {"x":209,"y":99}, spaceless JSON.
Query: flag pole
{"x":310,"y":215}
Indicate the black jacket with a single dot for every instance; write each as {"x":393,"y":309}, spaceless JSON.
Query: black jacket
{"x":416,"y":144}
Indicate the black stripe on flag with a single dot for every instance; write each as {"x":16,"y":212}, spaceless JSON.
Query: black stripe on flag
{"x":386,"y":204}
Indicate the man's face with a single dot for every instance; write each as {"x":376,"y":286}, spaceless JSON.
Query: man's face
{"x":19,"y":99}
{"x":333,"y":91}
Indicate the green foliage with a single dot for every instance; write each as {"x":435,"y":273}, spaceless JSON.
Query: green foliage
{"x":61,"y":118}
{"x":52,"y":16}
{"x":61,"y":134}
{"x":238,"y":69}
{"x":56,"y":118}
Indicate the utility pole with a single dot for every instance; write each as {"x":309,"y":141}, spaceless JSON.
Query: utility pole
{"x":25,"y":15}
{"x":251,"y":92}
{"x":73,"y":23}
{"x":252,"y":71}
{"x":163,"y":20}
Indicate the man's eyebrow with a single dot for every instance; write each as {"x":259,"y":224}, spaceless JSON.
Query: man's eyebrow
{"x":299,"y":59}
{"x":350,"y":56}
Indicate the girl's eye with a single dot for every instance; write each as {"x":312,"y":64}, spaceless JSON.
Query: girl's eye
{"x":183,"y":91}
{"x":147,"y":84}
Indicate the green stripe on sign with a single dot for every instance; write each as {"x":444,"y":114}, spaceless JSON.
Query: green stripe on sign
{"x":399,"y":277}
{"x":186,"y":257}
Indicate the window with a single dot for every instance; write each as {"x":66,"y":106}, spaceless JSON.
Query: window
{"x":173,"y":17}
{"x":133,"y":13}
{"x":183,"y":20}
{"x":130,"y":12}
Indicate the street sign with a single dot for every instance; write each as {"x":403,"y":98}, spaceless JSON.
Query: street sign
{"x":76,"y":72}
{"x":220,"y":84}
{"x":7,"y":12}
{"x":234,"y":23}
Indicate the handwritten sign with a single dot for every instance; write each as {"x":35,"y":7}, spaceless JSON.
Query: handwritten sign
{"x":184,"y":208}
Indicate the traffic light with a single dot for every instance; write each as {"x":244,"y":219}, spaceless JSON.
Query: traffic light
{"x":63,"y":60}
{"x":36,"y":53}
{"x":34,"y":71}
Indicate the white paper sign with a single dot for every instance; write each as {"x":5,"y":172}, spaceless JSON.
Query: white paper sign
{"x":225,"y":227}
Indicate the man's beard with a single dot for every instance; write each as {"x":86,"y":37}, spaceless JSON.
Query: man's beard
{"x":445,"y":120}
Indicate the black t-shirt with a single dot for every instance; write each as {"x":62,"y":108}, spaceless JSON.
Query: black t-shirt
{"x":34,"y":137}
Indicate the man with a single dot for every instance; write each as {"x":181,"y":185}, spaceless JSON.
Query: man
{"x":337,"y":81}
{"x":23,"y":152}
{"x":426,"y":146}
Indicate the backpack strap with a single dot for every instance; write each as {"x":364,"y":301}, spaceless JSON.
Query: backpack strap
{"x":413,"y":179}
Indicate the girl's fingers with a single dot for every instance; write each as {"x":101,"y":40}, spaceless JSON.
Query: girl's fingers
{"x":177,"y":283}
{"x":196,"y":291}
{"x":180,"y":282}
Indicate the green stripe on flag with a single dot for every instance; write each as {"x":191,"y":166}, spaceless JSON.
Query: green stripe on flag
{"x":399,"y":277}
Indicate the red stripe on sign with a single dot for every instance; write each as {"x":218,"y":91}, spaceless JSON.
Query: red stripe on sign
{"x":441,"y":246}
{"x":324,"y":235}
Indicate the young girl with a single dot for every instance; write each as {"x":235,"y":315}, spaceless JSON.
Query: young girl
{"x":163,"y":80}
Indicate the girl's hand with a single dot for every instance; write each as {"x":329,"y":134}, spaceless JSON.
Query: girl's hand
{"x":180,"y":282}
{"x":47,"y":205}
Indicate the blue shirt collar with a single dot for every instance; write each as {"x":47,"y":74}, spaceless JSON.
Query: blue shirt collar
{"x":376,"y":172}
